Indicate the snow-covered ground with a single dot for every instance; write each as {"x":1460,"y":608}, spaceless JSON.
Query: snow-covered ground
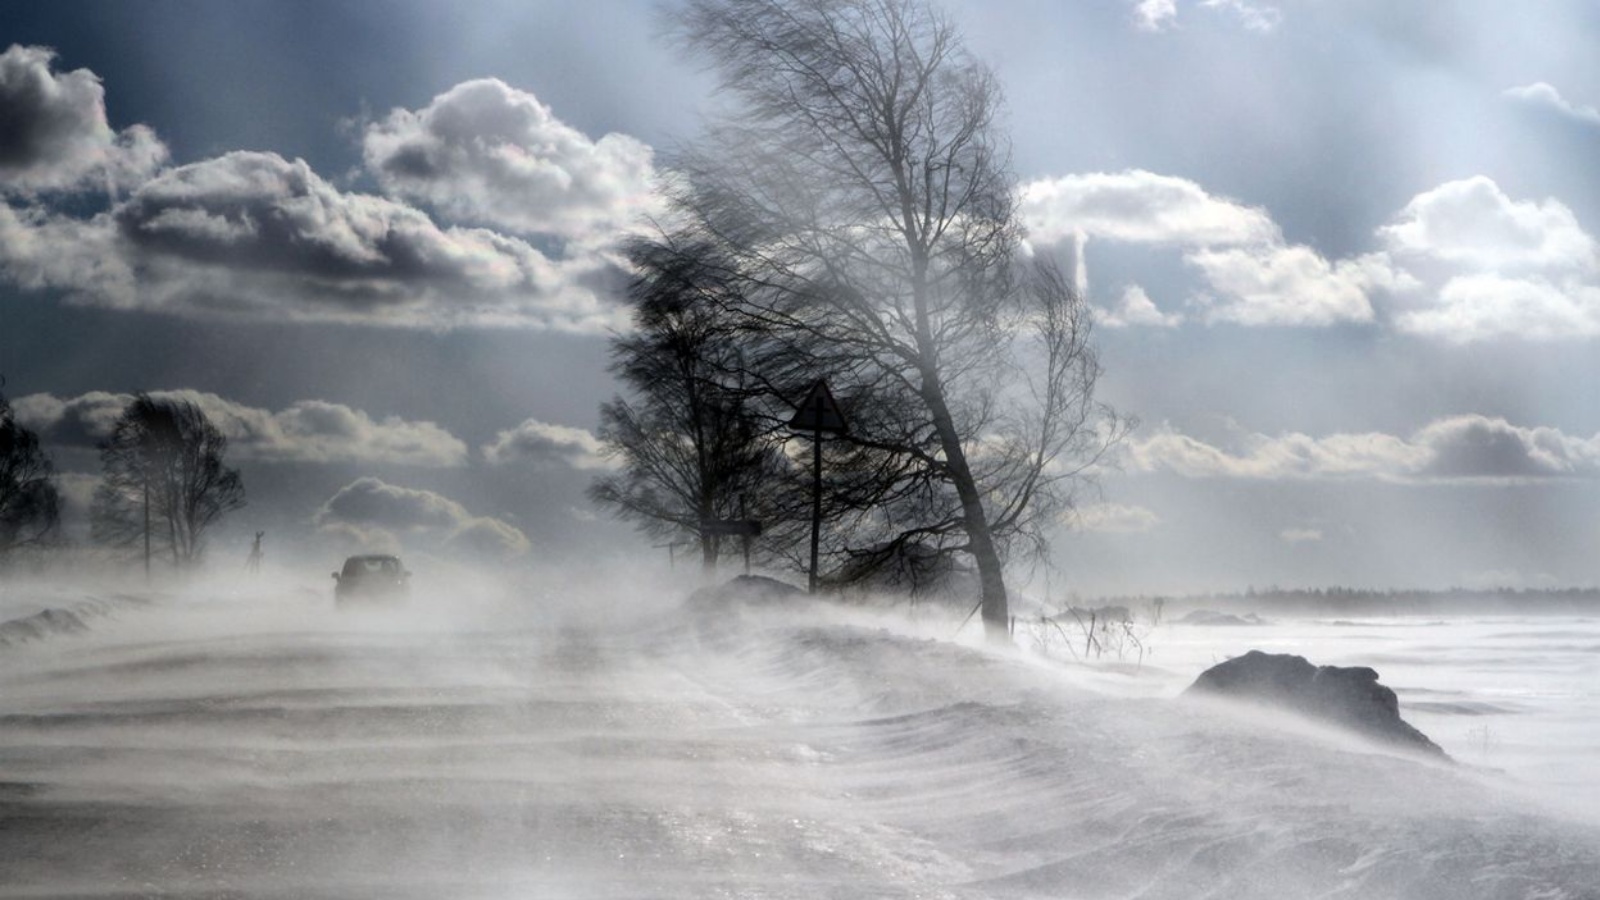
{"x":272,"y":747}
{"x":1517,"y":694}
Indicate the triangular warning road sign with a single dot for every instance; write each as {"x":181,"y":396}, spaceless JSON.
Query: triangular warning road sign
{"x":819,"y":411}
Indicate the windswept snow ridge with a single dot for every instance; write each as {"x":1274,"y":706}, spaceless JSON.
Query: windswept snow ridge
{"x":73,"y":618}
{"x":290,"y":751}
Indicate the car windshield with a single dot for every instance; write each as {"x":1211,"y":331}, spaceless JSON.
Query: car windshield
{"x":357,"y":566}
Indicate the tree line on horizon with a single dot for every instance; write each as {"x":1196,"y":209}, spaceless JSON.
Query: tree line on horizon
{"x":163,"y":484}
{"x":1341,"y":599}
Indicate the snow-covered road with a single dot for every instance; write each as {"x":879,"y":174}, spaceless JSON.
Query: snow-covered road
{"x":281,"y":750}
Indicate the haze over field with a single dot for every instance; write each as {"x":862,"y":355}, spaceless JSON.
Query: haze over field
{"x":611,"y":744}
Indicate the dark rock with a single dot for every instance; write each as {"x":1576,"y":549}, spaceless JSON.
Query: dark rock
{"x":1349,"y":697}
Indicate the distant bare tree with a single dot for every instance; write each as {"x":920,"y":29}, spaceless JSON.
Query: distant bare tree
{"x":860,"y":194}
{"x":164,"y":481}
{"x":30,"y":504}
{"x":691,"y":445}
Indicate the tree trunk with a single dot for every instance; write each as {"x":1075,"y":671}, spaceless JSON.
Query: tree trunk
{"x":991,"y":580}
{"x":996,"y":610}
{"x":708,"y":554}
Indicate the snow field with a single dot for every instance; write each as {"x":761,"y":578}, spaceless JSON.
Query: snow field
{"x":278,"y":749}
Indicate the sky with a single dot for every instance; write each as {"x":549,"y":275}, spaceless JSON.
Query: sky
{"x":1343,"y":254}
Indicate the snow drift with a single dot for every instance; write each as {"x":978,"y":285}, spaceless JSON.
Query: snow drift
{"x":283,"y":750}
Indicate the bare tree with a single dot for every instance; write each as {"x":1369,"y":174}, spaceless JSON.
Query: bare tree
{"x":860,"y":189}
{"x":30,"y":504}
{"x":164,"y":481}
{"x":691,"y":446}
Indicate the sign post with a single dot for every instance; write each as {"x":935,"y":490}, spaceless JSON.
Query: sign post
{"x":818,"y":413}
{"x":740,"y":528}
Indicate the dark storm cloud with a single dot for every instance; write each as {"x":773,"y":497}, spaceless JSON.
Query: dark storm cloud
{"x":338,"y":255}
{"x":1478,"y":447}
{"x":308,"y":431}
{"x":254,"y":235}
{"x":53,"y":129}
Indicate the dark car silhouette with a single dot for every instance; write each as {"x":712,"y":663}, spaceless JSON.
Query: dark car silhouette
{"x":377,"y":577}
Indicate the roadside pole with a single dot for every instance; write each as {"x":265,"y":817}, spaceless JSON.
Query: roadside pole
{"x":818,"y":414}
{"x":816,"y":504}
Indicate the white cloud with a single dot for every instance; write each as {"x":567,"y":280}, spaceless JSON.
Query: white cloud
{"x":255,"y":236}
{"x":1113,"y":518}
{"x":1467,"y":448}
{"x":1253,"y":277}
{"x":1481,"y":307}
{"x":1154,"y":15}
{"x":1495,"y":267}
{"x":308,"y":431}
{"x":1136,"y":308}
{"x":55,"y":135}
{"x":1136,"y":206}
{"x":1252,"y":14}
{"x":1471,"y":223}
{"x":1283,"y":285}
{"x":1289,"y":456}
{"x":372,"y":514}
{"x":544,"y":445}
{"x":1543,"y":94}
{"x":1158,"y":15}
{"x":1460,"y":262}
{"x":1300,"y":535}
{"x":486,"y":152}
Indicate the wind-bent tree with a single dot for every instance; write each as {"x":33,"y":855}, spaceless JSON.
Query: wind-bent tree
{"x":859,"y":191}
{"x":164,"y":482}
{"x":691,"y":447}
{"x":30,"y":504}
